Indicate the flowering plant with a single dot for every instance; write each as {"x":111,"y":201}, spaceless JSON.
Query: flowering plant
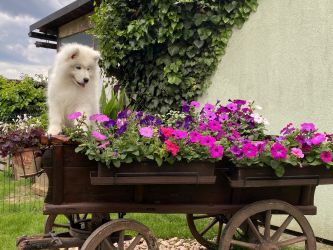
{"x":195,"y":133}
{"x":23,"y":132}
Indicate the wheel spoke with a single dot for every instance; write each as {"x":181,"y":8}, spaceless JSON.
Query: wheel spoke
{"x":109,"y":244}
{"x":243,"y":244}
{"x":291,"y":241}
{"x":254,"y":230}
{"x":268,"y":218}
{"x":219,"y":232}
{"x":135,"y":242}
{"x":121,"y":240}
{"x":276,"y":236}
{"x":209,"y":226}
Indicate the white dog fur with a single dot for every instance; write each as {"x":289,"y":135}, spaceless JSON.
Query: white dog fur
{"x":73,"y":85}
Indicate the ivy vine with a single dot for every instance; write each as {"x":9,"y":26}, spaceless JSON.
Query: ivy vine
{"x":164,"y":51}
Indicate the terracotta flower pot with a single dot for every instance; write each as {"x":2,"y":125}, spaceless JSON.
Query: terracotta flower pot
{"x":27,"y":162}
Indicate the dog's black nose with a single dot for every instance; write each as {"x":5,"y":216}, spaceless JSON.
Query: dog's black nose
{"x":86,"y":80}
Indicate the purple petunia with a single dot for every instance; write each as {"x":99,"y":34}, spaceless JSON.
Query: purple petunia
{"x":232,"y":107}
{"x":185,"y":107}
{"x":122,"y":129}
{"x":307,"y":127}
{"x":278,"y":151}
{"x":110,"y":123}
{"x":318,"y":138}
{"x":236,"y":151}
{"x":195,"y":104}
{"x":98,"y":136}
{"x":74,"y":116}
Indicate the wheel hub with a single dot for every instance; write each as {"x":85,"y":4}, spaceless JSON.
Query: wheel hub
{"x":268,"y":246}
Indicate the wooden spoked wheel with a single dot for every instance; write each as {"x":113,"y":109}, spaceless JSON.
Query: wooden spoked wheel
{"x":113,"y":234}
{"x":207,"y":228}
{"x":61,"y":223}
{"x":266,"y":239}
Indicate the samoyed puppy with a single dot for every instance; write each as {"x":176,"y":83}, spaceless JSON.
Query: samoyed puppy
{"x":73,"y":85}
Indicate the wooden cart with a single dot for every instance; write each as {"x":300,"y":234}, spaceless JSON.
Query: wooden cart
{"x":239,"y":204}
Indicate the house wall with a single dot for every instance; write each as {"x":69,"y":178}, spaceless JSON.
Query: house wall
{"x":283,"y":59}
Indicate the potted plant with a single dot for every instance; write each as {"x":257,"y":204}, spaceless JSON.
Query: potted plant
{"x":21,"y":141}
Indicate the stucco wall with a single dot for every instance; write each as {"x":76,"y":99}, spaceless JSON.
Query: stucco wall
{"x":283,"y":59}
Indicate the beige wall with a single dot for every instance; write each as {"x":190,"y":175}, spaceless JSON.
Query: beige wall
{"x":283,"y":59}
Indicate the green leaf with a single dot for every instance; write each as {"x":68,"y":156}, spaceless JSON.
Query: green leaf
{"x":159,"y":161}
{"x":116,"y":163}
{"x":198,"y":43}
{"x":173,"y":50}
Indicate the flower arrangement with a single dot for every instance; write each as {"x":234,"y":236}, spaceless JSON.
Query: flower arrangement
{"x":195,"y":133}
{"x":210,"y":132}
{"x":23,"y":132}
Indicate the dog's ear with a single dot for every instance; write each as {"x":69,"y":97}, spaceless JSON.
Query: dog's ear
{"x":97,"y":56}
{"x":74,"y":53}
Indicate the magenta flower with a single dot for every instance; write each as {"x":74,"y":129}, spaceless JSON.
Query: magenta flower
{"x":250,"y":150}
{"x":308,"y":127}
{"x":202,"y":126}
{"x":207,"y":140}
{"x":104,"y":145}
{"x":223,"y":117}
{"x":216,"y":151}
{"x":318,"y":138}
{"x":98,"y":136}
{"x":210,"y":115}
{"x":74,"y":115}
{"x":179,"y":134}
{"x":195,"y":104}
{"x":209,"y":107}
{"x":297,"y":152}
{"x":278,"y":151}
{"x":236,"y":151}
{"x":195,"y":136}
{"x":232,"y":107}
{"x":326,"y":156}
{"x":99,"y":118}
{"x":214,"y":125}
{"x":146,"y":132}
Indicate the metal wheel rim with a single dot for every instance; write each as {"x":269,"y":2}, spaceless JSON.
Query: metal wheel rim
{"x":100,"y":235}
{"x":268,"y":206}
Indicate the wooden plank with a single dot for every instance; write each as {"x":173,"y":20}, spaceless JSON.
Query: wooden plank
{"x":58,"y":174}
{"x":112,"y":207}
{"x":149,"y":180}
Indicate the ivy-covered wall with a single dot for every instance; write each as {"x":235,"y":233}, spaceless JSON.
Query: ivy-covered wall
{"x":165,"y":51}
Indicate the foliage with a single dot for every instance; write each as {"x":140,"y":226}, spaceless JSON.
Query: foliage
{"x":21,"y":97}
{"x":188,"y":135}
{"x":24,"y":132}
{"x":164,"y":51}
{"x":112,"y":105}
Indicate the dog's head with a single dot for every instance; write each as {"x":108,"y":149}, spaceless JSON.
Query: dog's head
{"x":81,"y":63}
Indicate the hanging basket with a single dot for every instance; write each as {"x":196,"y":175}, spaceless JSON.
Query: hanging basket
{"x":27,"y":162}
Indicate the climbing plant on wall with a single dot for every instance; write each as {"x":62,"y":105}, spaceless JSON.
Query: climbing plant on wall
{"x":164,"y":51}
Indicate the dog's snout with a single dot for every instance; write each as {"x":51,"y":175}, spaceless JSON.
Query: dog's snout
{"x":86,"y":80}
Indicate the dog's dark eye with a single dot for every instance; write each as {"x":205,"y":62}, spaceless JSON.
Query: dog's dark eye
{"x":78,"y":67}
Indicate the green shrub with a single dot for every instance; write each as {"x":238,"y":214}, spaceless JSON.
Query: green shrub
{"x":21,"y":97}
{"x":165,"y":51}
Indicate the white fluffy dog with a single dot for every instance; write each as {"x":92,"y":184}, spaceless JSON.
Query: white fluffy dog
{"x":73,"y":85}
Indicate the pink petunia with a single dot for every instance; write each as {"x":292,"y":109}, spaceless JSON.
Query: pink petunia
{"x":171,"y":147}
{"x":214,"y":125}
{"x":216,"y":151}
{"x":318,"y":138}
{"x":223,"y":117}
{"x":195,"y":136}
{"x":98,"y":136}
{"x":278,"y":151}
{"x":326,"y":156}
{"x":207,"y":140}
{"x":210,"y":115}
{"x":167,"y":131}
{"x":99,"y":118}
{"x":179,"y":134}
{"x":232,"y":107}
{"x":250,"y":150}
{"x":74,"y":116}
{"x":209,"y":107}
{"x":308,"y":127}
{"x":297,"y":152}
{"x":195,"y":104}
{"x":146,"y":132}
{"x":104,"y":145}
